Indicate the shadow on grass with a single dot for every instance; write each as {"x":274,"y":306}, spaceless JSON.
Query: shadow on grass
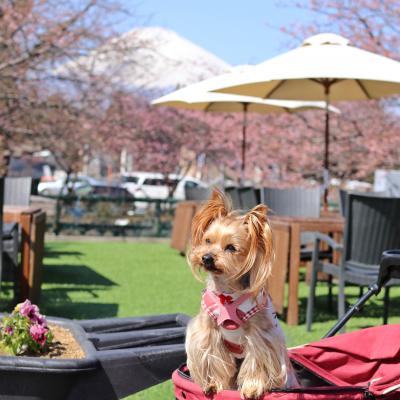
{"x":66,"y":289}
{"x":51,"y":253}
{"x":75,"y":310}
{"x":372,"y":309}
{"x":7,"y":301}
{"x":74,"y":274}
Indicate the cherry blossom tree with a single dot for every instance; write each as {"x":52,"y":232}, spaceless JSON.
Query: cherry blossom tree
{"x":164,"y":139}
{"x":36,"y":39}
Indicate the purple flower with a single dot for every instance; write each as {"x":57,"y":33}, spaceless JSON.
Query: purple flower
{"x":31,"y":311}
{"x":38,"y":334}
{"x":27,"y":309}
{"x":41,"y":320}
{"x":8,"y":330}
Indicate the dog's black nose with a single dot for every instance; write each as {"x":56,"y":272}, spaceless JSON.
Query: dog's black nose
{"x":208,"y":260}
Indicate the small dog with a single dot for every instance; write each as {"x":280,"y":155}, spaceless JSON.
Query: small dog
{"x":235,"y":341}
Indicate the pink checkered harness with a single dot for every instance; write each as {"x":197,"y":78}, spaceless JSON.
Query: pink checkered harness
{"x":230,"y":314}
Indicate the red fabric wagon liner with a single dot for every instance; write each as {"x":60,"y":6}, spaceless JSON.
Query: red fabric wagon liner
{"x":359,"y":365}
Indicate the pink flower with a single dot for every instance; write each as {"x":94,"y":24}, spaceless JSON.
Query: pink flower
{"x":27,"y":309}
{"x":31,"y":311}
{"x":38,"y":334}
{"x":8,"y":330}
{"x":41,"y":320}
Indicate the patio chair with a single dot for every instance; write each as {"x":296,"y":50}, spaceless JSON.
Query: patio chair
{"x":249,"y":197}
{"x":17,"y":190}
{"x":296,"y":202}
{"x":343,"y":194}
{"x":233,"y":193}
{"x":299,"y":202}
{"x":393,"y":183}
{"x":372,"y":225}
{"x":8,"y":246}
{"x":243,"y":198}
{"x":342,"y":201}
{"x":197,"y":193}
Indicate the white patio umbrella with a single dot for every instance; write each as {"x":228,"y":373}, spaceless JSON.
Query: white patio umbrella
{"x":326,"y":68}
{"x":194,"y":97}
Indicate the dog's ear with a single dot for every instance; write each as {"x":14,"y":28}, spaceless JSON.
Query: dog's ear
{"x":260,"y":253}
{"x":216,"y":207}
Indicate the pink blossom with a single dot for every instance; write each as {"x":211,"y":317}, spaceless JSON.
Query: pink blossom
{"x":31,"y":311}
{"x":27,"y":309}
{"x":38,"y":334}
{"x":41,"y":320}
{"x":8,"y":330}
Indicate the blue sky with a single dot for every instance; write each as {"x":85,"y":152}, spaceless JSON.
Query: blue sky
{"x":238,"y":31}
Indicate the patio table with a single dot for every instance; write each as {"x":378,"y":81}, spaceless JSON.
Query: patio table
{"x":33,"y":224}
{"x":287,"y":255}
{"x":184,"y":213}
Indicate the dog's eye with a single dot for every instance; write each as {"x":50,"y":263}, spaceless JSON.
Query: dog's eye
{"x":208,"y":241}
{"x":231,"y":248}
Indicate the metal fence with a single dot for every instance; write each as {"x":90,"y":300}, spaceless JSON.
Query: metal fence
{"x":102,"y":215}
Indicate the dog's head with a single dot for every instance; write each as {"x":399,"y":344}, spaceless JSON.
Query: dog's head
{"x":233,"y":247}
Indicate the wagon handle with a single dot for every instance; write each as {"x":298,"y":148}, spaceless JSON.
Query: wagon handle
{"x":389,"y":269}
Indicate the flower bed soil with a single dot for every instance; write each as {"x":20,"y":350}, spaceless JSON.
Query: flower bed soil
{"x":64,"y":345}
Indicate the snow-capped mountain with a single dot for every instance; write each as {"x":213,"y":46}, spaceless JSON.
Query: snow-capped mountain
{"x":150,"y":58}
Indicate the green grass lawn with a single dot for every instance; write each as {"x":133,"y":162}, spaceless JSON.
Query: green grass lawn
{"x":112,"y":279}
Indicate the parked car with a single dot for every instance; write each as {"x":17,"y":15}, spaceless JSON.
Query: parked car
{"x":35,"y":167}
{"x":54,"y":188}
{"x":156,"y":186}
{"x":99,"y":190}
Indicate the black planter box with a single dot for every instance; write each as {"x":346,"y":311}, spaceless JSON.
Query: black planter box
{"x":123,"y":356}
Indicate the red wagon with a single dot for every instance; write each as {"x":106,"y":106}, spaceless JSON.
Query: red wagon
{"x":354,"y":366}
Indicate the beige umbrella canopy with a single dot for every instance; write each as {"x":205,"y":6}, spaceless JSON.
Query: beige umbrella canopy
{"x":194,"y":97}
{"x":326,"y":68}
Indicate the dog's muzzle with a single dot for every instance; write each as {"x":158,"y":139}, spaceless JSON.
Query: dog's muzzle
{"x":208,"y":262}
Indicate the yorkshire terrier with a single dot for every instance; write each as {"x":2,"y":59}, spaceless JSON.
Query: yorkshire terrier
{"x":235,"y":342}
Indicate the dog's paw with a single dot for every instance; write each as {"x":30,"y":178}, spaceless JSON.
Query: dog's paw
{"x":210,"y":389}
{"x":252,"y":390}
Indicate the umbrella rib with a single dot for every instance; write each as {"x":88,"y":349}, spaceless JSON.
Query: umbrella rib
{"x":209,"y":105}
{"x":362,"y":87}
{"x":327,"y":81}
{"x":274,"y":89}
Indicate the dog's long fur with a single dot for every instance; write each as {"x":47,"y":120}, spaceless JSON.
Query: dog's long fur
{"x":216,"y":229}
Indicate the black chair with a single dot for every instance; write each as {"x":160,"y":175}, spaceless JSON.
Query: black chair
{"x":249,"y":197}
{"x":296,"y":202}
{"x":197,"y":193}
{"x":393,"y":183}
{"x":17,"y":190}
{"x":372,"y":225}
{"x":342,"y":201}
{"x":233,"y":193}
{"x":343,"y":193}
{"x":243,"y":198}
{"x":8,"y":247}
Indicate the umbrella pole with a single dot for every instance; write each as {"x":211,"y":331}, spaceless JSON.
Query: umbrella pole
{"x":326,"y":153}
{"x":244,"y":127}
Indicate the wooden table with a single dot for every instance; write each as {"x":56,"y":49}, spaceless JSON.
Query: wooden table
{"x":287,"y":231}
{"x":33,"y":224}
{"x":182,"y":224}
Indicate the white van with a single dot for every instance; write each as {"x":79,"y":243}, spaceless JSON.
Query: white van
{"x":153,"y":185}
